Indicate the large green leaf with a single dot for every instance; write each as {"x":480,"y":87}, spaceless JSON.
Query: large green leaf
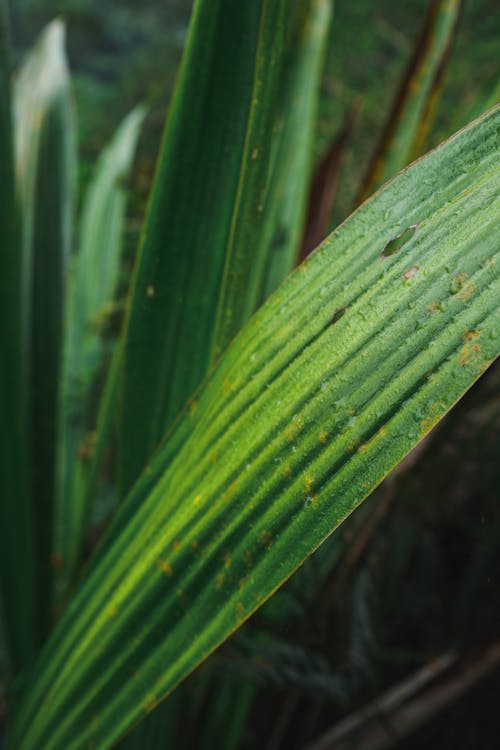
{"x":17,"y":569}
{"x":206,"y":207}
{"x":45,"y":171}
{"x":416,"y":99}
{"x":346,"y":367}
{"x":90,"y":292}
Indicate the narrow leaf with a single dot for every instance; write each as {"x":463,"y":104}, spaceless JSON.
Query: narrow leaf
{"x":416,"y":99}
{"x":90,"y":292}
{"x":17,"y":568}
{"x":291,"y":164}
{"x":206,"y":201}
{"x":323,"y":189}
{"x":45,"y":167}
{"x":306,"y":413}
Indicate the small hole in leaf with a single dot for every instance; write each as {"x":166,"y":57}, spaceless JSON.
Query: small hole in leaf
{"x":338,"y":314}
{"x":397,"y":242}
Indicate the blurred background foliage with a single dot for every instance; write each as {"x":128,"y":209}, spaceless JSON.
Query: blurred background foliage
{"x":414,"y":574}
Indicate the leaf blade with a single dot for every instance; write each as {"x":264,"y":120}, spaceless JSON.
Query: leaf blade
{"x":45,"y":148}
{"x":91,"y":287}
{"x":17,"y":568}
{"x":205,"y":153}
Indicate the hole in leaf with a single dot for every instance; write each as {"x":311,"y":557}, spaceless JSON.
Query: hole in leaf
{"x":338,"y":314}
{"x":398,"y":241}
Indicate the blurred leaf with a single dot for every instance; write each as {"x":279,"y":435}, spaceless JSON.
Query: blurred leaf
{"x":45,"y":170}
{"x":17,"y":568}
{"x":206,"y":203}
{"x":323,"y":189}
{"x":303,"y":417}
{"x":91,"y":288}
{"x":291,"y":155}
{"x":415,"y":101}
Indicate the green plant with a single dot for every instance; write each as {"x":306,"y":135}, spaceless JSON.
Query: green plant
{"x":224,"y":488}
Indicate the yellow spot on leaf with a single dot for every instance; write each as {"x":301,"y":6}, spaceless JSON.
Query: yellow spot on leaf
{"x":427,"y":424}
{"x":165,"y":567}
{"x":434,"y":307}
{"x":176,"y":546}
{"x":230,"y":489}
{"x":149,"y":704}
{"x":197,"y":500}
{"x":193,"y":408}
{"x":470,"y":335}
{"x":227,"y":560}
{"x":213,"y":457}
{"x":469,"y":353}
{"x":308,"y":483}
{"x":323,"y":437}
{"x":150,"y":291}
{"x":112,"y":611}
{"x":240,"y":610}
{"x":468,"y":291}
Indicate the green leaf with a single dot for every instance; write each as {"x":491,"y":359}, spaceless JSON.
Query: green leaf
{"x":205,"y":215}
{"x":90,"y":292}
{"x":416,"y":99}
{"x":45,"y":170}
{"x":333,"y":381}
{"x":293,"y":151}
{"x":17,"y":568}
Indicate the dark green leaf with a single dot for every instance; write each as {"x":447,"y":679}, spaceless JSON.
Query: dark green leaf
{"x":45,"y":168}
{"x":204,"y":217}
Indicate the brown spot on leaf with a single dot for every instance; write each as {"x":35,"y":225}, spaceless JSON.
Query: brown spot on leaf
{"x":410,"y":272}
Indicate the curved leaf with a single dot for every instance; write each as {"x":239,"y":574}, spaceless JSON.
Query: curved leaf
{"x":346,"y":367}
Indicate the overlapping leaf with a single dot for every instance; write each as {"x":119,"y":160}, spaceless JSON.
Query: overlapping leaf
{"x":17,"y":568}
{"x":349,"y":364}
{"x":91,"y":287}
{"x":277,"y":251}
{"x":416,"y":99}
{"x":45,"y":169}
{"x":204,"y":217}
